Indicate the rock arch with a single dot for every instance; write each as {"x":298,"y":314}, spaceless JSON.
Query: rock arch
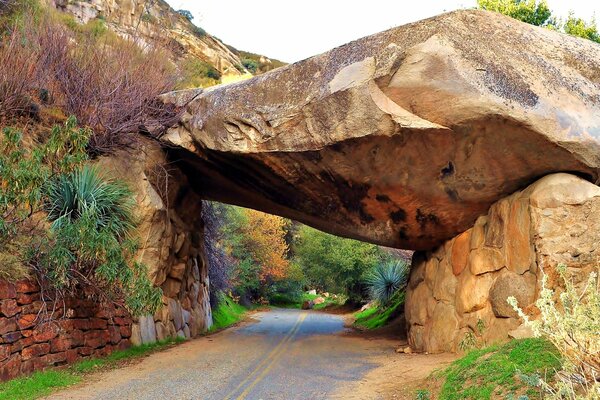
{"x":405,"y":138}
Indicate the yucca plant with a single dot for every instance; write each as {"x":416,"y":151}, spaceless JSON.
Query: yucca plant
{"x":386,"y":279}
{"x":92,"y":218}
{"x":86,"y":192}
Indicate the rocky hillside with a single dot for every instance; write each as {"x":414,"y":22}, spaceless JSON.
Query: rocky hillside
{"x":154,"y":21}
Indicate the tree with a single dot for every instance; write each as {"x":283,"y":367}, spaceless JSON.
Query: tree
{"x":533,"y":12}
{"x":336,"y":264}
{"x":186,"y":13}
{"x":578,"y":27}
{"x":256,"y":241}
{"x":538,"y":13}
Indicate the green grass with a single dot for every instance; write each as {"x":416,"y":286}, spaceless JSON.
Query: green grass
{"x":378,"y":316}
{"x":285,"y":301}
{"x":493,"y":371}
{"x":227,"y":313}
{"x":43,"y":383}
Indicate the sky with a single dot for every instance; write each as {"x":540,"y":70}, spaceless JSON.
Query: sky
{"x":293,"y":30}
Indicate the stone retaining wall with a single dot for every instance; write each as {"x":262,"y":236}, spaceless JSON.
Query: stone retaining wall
{"x":171,"y":242}
{"x":36,"y":333}
{"x":458,"y":292}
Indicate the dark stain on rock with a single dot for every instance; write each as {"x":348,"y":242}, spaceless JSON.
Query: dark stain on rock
{"x":402,"y":234}
{"x":338,"y":147}
{"x":453,"y":194}
{"x":351,"y":194}
{"x":509,"y":85}
{"x":382,"y":198}
{"x":398,"y":215}
{"x":313,"y":156}
{"x":426,"y":218}
{"x":447,"y":170}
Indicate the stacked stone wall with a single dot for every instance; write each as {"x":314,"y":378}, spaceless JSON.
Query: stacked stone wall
{"x":36,"y":332}
{"x":458,"y":292}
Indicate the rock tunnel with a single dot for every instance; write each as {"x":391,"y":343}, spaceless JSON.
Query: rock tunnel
{"x":423,"y":137}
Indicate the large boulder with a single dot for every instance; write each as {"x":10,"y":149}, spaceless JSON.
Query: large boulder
{"x":402,"y":138}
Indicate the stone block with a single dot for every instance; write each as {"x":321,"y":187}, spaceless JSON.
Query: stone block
{"x":177,"y":271}
{"x":9,"y":308}
{"x":472,"y":292}
{"x":35,"y":350}
{"x":7,"y":325}
{"x":485,"y":259}
{"x":147,"y":329}
{"x":27,"y":286}
{"x":460,"y":252}
{"x":522,"y":287}
{"x":7,"y":290}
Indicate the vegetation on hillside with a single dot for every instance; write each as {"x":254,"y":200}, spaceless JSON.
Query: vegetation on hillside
{"x":110,"y":84}
{"x":497,"y":371}
{"x":226,"y":313}
{"x":572,"y":325}
{"x":264,"y":257}
{"x":61,"y":221}
{"x":537,"y":12}
{"x":378,"y":314}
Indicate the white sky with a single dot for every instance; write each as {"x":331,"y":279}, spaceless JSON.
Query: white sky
{"x":294,"y":30}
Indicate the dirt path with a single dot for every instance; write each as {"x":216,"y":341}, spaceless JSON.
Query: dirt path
{"x":286,"y":354}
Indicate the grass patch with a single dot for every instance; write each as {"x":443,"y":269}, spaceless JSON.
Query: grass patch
{"x":492,"y":372}
{"x":227,"y":313}
{"x":378,"y":316}
{"x":43,"y":383}
{"x":285,"y":301}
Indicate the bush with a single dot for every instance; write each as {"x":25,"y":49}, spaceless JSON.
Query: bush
{"x":110,"y":84}
{"x":335,"y":264}
{"x":386,"y":279}
{"x":18,"y":73}
{"x":23,"y":173}
{"x":90,"y":244}
{"x":573,"y":327}
{"x":197,"y":73}
{"x":250,"y":65}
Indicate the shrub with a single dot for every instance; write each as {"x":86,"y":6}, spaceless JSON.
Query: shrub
{"x":18,"y":71}
{"x":386,"y":279}
{"x":23,"y":172}
{"x":250,"y":65}
{"x":187,"y":14}
{"x":89,"y":243}
{"x":110,"y":84}
{"x":197,"y":73}
{"x":573,"y":327}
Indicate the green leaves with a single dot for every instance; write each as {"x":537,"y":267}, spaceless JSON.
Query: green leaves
{"x":335,"y":264}
{"x":538,"y":13}
{"x":533,"y":12}
{"x":386,"y":279}
{"x":107,"y":202}
{"x":92,"y":217}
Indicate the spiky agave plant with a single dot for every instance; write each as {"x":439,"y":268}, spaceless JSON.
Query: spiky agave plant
{"x":386,"y":279}
{"x":108,"y":202}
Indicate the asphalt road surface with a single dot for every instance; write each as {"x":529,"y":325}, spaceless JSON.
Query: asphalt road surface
{"x":284,"y":354}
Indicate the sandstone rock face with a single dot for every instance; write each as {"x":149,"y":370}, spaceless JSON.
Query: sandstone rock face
{"x":405,"y":137}
{"x":171,"y":245}
{"x":553,"y":221}
{"x":151,"y":22}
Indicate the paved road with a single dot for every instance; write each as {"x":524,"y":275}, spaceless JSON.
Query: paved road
{"x":285,"y":354}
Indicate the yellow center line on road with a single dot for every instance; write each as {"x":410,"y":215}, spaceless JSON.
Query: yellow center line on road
{"x":273,"y":353}
{"x":259,"y":378}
